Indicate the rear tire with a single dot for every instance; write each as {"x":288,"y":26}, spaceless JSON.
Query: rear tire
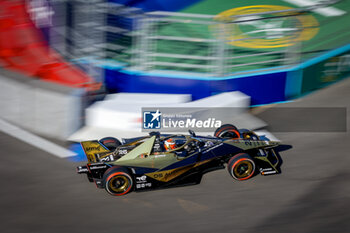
{"x":110,"y":143}
{"x":227,"y":131}
{"x":241,"y":167}
{"x":118,"y":181}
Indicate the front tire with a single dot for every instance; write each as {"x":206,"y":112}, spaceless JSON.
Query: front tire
{"x":227,"y":131}
{"x":241,"y":167}
{"x":118,"y":181}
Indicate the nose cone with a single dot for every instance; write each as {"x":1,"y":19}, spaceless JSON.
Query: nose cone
{"x":272,"y":143}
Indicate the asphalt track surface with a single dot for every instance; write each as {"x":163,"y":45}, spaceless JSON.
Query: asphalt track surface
{"x":42,"y":193}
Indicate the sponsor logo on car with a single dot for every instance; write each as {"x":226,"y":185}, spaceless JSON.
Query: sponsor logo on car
{"x":144,"y":185}
{"x":92,"y":148}
{"x":141,"y":179}
{"x":167,"y":175}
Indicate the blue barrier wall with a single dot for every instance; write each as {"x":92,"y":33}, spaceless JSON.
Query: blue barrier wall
{"x":157,"y":5}
{"x":263,"y":88}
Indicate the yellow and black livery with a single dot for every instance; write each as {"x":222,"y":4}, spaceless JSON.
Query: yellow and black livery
{"x":145,"y":163}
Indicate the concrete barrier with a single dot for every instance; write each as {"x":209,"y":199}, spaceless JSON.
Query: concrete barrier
{"x":45,"y":108}
{"x":123,"y":119}
{"x":123,"y":110}
{"x":148,"y":98}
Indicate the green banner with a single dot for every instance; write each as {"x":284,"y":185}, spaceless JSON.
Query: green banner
{"x":326,"y":72}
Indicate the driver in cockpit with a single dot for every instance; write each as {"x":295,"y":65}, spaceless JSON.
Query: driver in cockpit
{"x":169,"y":144}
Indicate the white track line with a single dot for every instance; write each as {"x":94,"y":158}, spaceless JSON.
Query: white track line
{"x":34,"y":140}
{"x":325,"y":11}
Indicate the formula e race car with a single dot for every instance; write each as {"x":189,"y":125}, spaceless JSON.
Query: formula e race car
{"x":161,"y":161}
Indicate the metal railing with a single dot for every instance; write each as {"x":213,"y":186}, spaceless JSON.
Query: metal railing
{"x":182,"y":42}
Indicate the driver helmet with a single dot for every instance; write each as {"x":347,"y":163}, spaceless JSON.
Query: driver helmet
{"x":169,"y":144}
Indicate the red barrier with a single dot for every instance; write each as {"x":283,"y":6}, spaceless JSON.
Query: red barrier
{"x":23,"y":49}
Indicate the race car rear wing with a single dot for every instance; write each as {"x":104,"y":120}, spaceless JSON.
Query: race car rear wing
{"x":91,"y":148}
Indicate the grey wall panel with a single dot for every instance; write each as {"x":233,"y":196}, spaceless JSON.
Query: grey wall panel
{"x":45,"y":108}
